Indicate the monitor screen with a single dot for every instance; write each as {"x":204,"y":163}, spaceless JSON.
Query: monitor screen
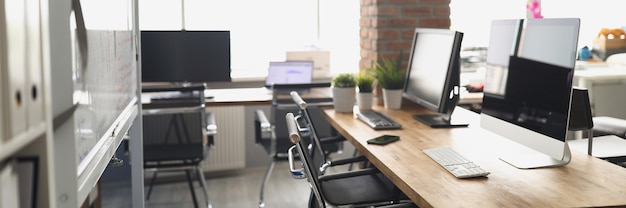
{"x":559,"y":33}
{"x":185,"y":56}
{"x":289,"y":72}
{"x":532,"y":101}
{"x":433,"y":74}
{"x":503,"y":43}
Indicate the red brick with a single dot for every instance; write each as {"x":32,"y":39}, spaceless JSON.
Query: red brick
{"x":402,"y":1}
{"x":434,"y":1}
{"x":386,"y":33}
{"x":386,"y":10}
{"x":442,"y":10}
{"x":402,"y":22}
{"x":398,"y":45}
{"x":434,"y":22}
{"x":417,"y":11}
{"x":407,"y":34}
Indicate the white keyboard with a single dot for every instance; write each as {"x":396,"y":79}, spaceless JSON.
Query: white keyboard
{"x":455,"y":163}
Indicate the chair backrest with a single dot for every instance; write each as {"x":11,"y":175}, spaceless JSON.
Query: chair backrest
{"x":580,"y":116}
{"x":174,"y":132}
{"x":309,"y":166}
{"x":306,"y":122}
{"x":281,"y":106}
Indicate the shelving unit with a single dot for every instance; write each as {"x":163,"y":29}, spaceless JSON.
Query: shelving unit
{"x":69,"y":79}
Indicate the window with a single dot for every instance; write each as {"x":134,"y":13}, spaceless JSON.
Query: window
{"x":474,"y":17}
{"x":263,"y":31}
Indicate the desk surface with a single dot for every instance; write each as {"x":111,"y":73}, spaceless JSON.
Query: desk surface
{"x":261,"y":95}
{"x":585,"y":182}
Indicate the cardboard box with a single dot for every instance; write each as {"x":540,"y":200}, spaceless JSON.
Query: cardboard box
{"x":609,"y":44}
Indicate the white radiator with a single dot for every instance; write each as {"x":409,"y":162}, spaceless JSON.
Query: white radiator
{"x":229,"y":149}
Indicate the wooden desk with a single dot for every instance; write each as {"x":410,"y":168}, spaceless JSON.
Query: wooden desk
{"x":585,"y":182}
{"x":261,"y":95}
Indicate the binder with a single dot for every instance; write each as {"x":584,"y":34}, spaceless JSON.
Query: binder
{"x":34,"y":91}
{"x":15,"y":52}
{"x":9,"y":197}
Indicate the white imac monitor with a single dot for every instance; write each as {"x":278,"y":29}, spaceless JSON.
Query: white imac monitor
{"x":533,"y":104}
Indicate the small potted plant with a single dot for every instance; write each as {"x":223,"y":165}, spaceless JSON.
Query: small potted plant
{"x":343,"y":86}
{"x":391,"y":78}
{"x":365,"y":95}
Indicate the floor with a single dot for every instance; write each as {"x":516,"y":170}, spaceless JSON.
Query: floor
{"x":234,"y":189}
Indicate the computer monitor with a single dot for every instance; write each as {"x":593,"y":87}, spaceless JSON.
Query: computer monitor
{"x":532,"y":107}
{"x":289,"y":72}
{"x":433,"y":75}
{"x":185,"y":56}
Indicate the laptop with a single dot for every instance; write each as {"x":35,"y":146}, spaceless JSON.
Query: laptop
{"x":289,"y":72}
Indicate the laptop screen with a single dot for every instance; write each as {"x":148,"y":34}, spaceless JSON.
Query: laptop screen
{"x":289,"y":72}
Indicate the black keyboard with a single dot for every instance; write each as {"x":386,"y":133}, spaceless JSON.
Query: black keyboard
{"x":377,"y":120}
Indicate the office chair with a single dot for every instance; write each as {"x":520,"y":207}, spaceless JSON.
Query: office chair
{"x":305,"y":120}
{"x":175,"y":137}
{"x":359,"y":188}
{"x":270,"y":132}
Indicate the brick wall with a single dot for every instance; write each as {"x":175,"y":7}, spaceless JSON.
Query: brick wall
{"x":387,"y":26}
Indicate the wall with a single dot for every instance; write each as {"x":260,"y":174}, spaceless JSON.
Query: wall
{"x":387,"y":26}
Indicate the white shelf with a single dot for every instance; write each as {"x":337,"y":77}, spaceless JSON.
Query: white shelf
{"x":15,"y":144}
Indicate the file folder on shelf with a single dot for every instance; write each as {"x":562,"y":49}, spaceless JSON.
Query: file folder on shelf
{"x":33,"y":94}
{"x":9,"y":197}
{"x":15,"y":52}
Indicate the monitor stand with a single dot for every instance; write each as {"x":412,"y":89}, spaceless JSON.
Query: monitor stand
{"x":438,"y":121}
{"x":537,"y":160}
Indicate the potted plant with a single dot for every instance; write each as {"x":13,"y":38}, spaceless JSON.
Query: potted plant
{"x":343,"y":86}
{"x":391,"y":78}
{"x":365,"y":95}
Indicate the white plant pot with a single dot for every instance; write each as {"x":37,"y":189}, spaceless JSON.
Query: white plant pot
{"x":365,"y":100}
{"x":392,"y":98}
{"x":343,"y":99}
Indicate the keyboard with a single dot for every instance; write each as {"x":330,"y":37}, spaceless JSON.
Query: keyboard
{"x":377,"y":120}
{"x":455,"y":163}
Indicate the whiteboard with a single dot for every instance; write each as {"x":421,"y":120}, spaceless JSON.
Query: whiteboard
{"x":106,"y":88}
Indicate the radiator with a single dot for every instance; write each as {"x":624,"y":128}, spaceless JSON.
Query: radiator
{"x":229,"y":149}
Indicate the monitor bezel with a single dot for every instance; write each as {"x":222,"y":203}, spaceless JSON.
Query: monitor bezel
{"x":449,"y":92}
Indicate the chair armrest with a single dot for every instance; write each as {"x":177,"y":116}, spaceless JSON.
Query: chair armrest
{"x":263,"y":121}
{"x":348,"y":174}
{"x":345,"y":161}
{"x":211,"y":126}
{"x":332,"y":139}
{"x":348,"y":161}
{"x":604,"y":125}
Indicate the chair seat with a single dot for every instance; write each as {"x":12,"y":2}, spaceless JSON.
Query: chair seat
{"x":369,"y":188}
{"x":168,"y":152}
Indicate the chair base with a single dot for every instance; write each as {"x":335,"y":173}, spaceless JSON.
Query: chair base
{"x":189,"y":176}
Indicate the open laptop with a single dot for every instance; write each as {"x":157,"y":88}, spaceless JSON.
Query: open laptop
{"x":289,"y":72}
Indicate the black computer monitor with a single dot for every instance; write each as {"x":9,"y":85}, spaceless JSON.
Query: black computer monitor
{"x":531,"y":105}
{"x":433,"y":75}
{"x":185,"y":56}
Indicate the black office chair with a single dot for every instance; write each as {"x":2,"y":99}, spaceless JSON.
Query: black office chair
{"x":175,"y":137}
{"x":359,"y":188}
{"x":270,"y":132}
{"x":305,"y":120}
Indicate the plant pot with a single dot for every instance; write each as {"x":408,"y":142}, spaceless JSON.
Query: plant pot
{"x":392,"y":98}
{"x":365,"y":100}
{"x":378,"y":96}
{"x":343,"y":99}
